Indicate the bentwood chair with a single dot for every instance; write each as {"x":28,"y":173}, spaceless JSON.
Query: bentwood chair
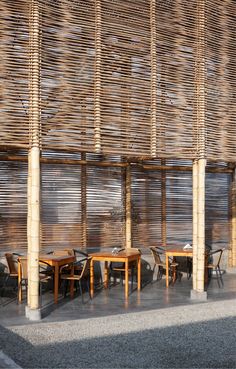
{"x":12,"y":264}
{"x":213,"y":264}
{"x":119,"y":268}
{"x":157,"y":252}
{"x":23,"y":281}
{"x":78,"y":277}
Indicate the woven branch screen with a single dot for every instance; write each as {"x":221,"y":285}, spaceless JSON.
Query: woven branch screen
{"x":121,"y":77}
{"x":62,"y":207}
{"x":14,"y":62}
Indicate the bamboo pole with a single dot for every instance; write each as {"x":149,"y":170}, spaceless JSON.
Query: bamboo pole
{"x":34,"y":160}
{"x":199,"y":204}
{"x":163,"y":205}
{"x":128,"y":215}
{"x":111,"y":164}
{"x":29,"y":189}
{"x":84,"y":201}
{"x":153,"y":78}
{"x":97,"y":78}
{"x":123,"y":201}
{"x":195,"y":221}
{"x":232,"y":254}
{"x":201,"y":226}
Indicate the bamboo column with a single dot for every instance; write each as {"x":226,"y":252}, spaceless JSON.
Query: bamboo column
{"x":232,"y":256}
{"x":97,"y":78}
{"x":84,"y":201}
{"x":195,"y":221}
{"x":128,"y":215}
{"x":153,"y":78}
{"x":163,"y":205}
{"x":201,"y":227}
{"x":199,"y":168}
{"x":33,"y":228}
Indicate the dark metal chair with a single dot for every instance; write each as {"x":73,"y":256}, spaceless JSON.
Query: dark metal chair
{"x":215,"y":266}
{"x":78,"y":277}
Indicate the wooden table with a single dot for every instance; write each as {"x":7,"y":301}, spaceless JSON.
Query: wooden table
{"x":125,"y":257}
{"x":56,"y":262}
{"x":172,"y":253}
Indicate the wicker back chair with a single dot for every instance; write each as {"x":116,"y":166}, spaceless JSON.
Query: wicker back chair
{"x":23,"y":281}
{"x":119,"y":268}
{"x":157,"y":252}
{"x":12,"y":274}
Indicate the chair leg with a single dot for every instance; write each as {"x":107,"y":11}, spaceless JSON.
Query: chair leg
{"x":159,"y":273}
{"x":220,"y":275}
{"x":217,"y":277}
{"x":66,"y":282}
{"x":81,"y":292}
{"x":88,"y":286}
{"x":4,"y":284}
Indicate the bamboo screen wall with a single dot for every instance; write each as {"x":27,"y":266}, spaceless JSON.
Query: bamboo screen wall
{"x":62,"y":217}
{"x":117,"y":77}
{"x":120,"y":76}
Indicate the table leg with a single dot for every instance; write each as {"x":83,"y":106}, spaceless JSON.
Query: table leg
{"x":139,"y":272}
{"x":167,"y":271}
{"x":19,"y":284}
{"x":56,"y":283}
{"x":72,"y":283}
{"x":126,"y":278}
{"x":91,"y":279}
{"x":106,"y":274}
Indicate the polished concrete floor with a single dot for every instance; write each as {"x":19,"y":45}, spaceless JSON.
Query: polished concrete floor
{"x":154,"y":295}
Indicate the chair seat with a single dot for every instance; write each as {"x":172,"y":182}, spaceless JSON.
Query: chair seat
{"x":72,"y":277}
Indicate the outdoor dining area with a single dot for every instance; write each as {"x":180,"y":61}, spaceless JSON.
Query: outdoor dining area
{"x":60,"y":269}
{"x":117,"y":150}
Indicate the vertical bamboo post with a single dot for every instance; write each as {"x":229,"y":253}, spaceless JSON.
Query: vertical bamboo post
{"x":195,"y":221}
{"x":201,"y":226}
{"x":123,"y":201}
{"x":33,"y":227}
{"x":232,"y":255}
{"x":199,"y":203}
{"x":153,"y":78}
{"x":84,"y":201}
{"x":97,"y":78}
{"x":163,"y":204}
{"x":29,"y":188}
{"x":128,"y":215}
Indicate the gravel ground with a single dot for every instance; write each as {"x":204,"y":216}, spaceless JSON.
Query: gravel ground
{"x":201,"y":335}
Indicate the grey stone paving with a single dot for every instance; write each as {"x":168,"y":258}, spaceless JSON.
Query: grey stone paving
{"x":161,"y":329}
{"x":197,"y":336}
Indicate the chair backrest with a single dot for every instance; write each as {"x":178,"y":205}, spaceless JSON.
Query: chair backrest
{"x":80,"y":255}
{"x":24,"y":268}
{"x":156,"y":255}
{"x":12,"y":263}
{"x":135,"y":249}
{"x":63,"y":252}
{"x":86,"y":268}
{"x":219,"y":253}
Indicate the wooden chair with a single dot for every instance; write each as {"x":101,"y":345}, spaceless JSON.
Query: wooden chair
{"x":12,"y":264}
{"x":215,"y":266}
{"x":157,"y":252}
{"x":84,"y":274}
{"x":62,"y":252}
{"x":119,"y":268}
{"x":23,"y":281}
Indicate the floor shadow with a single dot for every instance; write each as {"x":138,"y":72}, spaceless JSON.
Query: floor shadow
{"x":207,"y":344}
